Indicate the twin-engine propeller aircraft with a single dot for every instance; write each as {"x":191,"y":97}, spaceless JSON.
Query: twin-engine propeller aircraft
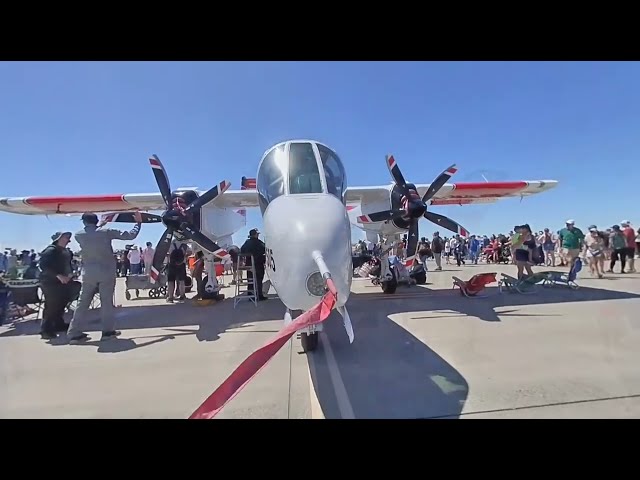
{"x":307,"y":211}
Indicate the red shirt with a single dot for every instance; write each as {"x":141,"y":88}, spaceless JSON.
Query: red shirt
{"x":630,"y":237}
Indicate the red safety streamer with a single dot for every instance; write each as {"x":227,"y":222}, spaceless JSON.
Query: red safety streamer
{"x":248,"y":369}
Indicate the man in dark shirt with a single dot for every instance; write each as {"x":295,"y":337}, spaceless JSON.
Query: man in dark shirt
{"x":437,"y":246}
{"x":255,"y":247}
{"x":55,"y":279}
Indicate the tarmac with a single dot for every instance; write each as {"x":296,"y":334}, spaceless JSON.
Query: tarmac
{"x":424,"y":352}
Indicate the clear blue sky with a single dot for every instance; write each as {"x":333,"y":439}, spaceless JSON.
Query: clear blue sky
{"x":89,"y":127}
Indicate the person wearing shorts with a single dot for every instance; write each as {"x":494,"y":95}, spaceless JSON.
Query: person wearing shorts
{"x":572,"y":240}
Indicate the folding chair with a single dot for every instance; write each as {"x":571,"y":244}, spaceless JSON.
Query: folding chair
{"x":473,"y":286}
{"x":513,"y":285}
{"x":551,"y":278}
{"x":24,"y":294}
{"x":5,"y":298}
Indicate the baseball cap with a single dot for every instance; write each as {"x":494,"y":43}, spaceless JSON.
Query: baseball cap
{"x":570,"y":222}
{"x":253,"y":231}
{"x":625,"y":223}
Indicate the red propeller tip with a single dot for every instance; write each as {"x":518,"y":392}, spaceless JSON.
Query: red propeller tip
{"x":391,"y":161}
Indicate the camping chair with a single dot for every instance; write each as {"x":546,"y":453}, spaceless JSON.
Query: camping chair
{"x":473,"y":286}
{"x":525,"y":285}
{"x":560,"y":278}
{"x":5,"y":298}
{"x":25,"y":297}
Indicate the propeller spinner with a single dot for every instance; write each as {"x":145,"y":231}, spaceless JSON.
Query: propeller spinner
{"x":412,"y":207}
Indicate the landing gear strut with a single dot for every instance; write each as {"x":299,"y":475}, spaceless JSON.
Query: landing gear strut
{"x":309,"y":341}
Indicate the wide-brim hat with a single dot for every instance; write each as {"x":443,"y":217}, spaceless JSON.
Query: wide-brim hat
{"x":58,"y":235}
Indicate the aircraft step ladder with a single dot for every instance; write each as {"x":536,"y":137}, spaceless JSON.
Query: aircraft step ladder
{"x":243,"y":292}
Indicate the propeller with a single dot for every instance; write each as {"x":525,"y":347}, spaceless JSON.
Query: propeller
{"x":414,"y":207}
{"x":178,"y":218}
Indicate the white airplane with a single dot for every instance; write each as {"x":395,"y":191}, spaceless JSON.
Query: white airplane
{"x":307,"y":211}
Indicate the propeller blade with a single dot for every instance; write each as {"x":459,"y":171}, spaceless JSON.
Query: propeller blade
{"x":412,"y":239}
{"x":381,"y":216}
{"x":208,"y":196}
{"x":396,"y":174}
{"x":161,"y":179}
{"x":446,"y":222}
{"x":162,"y":248}
{"x":439,"y":182}
{"x":205,"y":242}
{"x":127,"y":217}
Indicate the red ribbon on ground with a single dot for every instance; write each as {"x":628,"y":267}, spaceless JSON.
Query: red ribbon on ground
{"x":255,"y":362}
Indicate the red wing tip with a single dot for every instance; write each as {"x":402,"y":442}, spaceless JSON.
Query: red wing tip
{"x":390,"y":160}
{"x":452,"y":170}
{"x":364,"y":218}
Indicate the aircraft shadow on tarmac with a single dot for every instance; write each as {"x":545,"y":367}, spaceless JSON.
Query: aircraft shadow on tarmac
{"x":389,"y":373}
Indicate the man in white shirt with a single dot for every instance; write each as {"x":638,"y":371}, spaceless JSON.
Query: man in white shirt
{"x":147,"y":257}
{"x":134,"y":261}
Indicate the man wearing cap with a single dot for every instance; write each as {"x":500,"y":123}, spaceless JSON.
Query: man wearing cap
{"x":630,"y":237}
{"x":256,"y":248}
{"x":572,"y":239}
{"x":99,"y":274}
{"x":55,"y":282}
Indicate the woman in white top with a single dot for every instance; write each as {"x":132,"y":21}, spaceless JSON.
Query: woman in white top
{"x":594,"y":251}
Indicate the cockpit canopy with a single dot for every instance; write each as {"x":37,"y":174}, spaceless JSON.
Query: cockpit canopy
{"x":300,"y":167}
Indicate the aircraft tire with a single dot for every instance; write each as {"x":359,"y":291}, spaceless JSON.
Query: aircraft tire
{"x":390,"y":286}
{"x":421,"y":278}
{"x":309,"y":341}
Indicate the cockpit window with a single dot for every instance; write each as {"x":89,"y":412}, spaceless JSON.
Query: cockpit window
{"x":304,"y":176}
{"x":270,"y":181}
{"x":333,"y":172}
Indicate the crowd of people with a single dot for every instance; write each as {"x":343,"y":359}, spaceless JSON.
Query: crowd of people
{"x":525,"y":248}
{"x":57,"y":271}
{"x":57,"y":268}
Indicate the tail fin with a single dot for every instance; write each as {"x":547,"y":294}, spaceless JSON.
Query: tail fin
{"x":248,"y":183}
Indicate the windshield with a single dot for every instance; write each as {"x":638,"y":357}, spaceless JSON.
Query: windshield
{"x":304,"y":176}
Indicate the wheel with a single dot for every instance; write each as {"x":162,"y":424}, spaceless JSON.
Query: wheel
{"x":309,"y":341}
{"x":163,"y":291}
{"x":390,"y":285}
{"x":420,"y":278}
{"x":188,"y":284}
{"x":154,"y":293}
{"x":127,"y":295}
{"x":137,"y":293}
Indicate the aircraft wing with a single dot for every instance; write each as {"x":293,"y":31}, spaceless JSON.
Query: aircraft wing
{"x":111,"y":203}
{"x":463,"y":193}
